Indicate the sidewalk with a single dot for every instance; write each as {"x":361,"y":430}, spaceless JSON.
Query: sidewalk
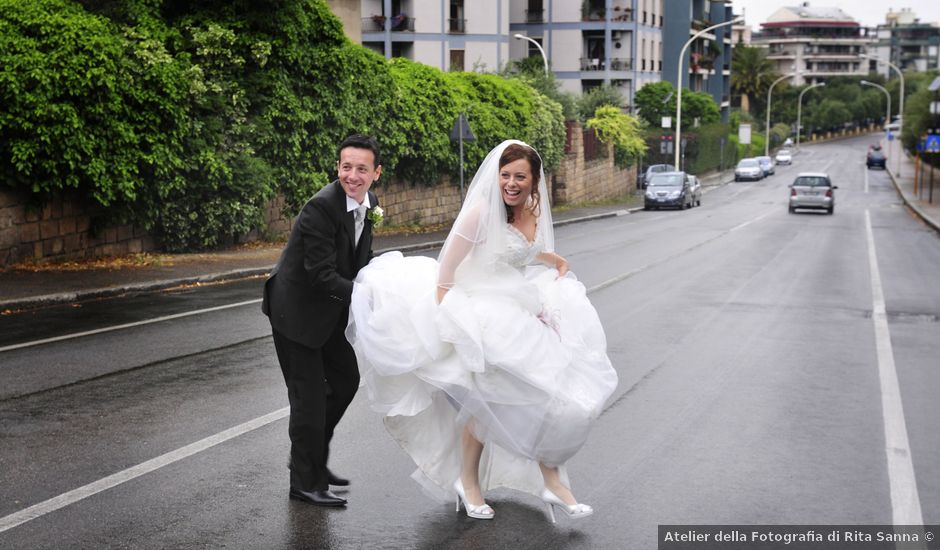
{"x":901,"y":170}
{"x":47,"y":285}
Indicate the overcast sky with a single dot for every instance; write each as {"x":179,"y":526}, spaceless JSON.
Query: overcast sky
{"x":867,"y":12}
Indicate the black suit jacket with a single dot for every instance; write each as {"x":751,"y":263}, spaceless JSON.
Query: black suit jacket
{"x":310,"y":288}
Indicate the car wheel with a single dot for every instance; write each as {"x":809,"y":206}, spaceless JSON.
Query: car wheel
{"x":830,"y":210}
{"x":792,"y":210}
{"x":698,"y":202}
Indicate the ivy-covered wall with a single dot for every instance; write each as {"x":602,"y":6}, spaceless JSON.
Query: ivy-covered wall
{"x":187,"y":118}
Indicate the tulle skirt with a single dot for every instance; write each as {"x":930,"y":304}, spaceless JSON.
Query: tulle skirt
{"x":521,"y":356}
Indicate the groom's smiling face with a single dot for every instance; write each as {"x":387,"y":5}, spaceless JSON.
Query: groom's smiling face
{"x":357,"y":171}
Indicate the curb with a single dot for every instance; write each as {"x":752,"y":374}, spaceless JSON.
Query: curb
{"x":236,"y":274}
{"x":912,"y":205}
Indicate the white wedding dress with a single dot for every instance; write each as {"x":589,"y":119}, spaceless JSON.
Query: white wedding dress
{"x":512,"y":346}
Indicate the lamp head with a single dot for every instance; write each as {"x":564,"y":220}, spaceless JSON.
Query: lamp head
{"x":517,"y":36}
{"x":864,"y":82}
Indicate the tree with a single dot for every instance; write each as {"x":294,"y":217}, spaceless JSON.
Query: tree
{"x":752,"y":74}
{"x":622,"y":130}
{"x":695,"y":105}
{"x":651,"y":103}
{"x":598,"y":97}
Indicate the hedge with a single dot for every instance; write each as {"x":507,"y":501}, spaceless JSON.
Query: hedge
{"x":186,"y":118}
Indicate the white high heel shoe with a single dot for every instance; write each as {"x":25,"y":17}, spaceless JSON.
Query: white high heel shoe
{"x":476,"y":512}
{"x":571,"y":510}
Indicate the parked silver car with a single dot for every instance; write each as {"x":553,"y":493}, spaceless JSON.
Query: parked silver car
{"x":813,"y":190}
{"x":748,"y":169}
{"x":695,"y":190}
{"x":767,"y":165}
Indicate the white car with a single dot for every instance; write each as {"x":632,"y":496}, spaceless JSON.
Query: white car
{"x":784,"y":157}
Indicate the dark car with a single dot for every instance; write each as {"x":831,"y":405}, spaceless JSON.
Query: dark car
{"x":876,"y":157}
{"x":655,"y":169}
{"x":668,"y":189}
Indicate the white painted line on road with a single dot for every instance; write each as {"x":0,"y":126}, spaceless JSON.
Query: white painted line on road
{"x":905,"y":502}
{"x":124,"y":326}
{"x":631,"y":273}
{"x":38,"y":510}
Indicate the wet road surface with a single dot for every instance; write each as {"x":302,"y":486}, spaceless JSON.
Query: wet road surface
{"x":751,"y":392}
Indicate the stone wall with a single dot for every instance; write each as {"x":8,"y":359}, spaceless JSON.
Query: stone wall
{"x":406,"y":204}
{"x":63,"y":227}
{"x":578,"y":180}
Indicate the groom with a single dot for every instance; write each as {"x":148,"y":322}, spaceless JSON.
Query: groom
{"x":307,"y":301}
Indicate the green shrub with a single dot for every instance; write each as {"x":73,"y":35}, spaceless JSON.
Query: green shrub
{"x":187,"y":117}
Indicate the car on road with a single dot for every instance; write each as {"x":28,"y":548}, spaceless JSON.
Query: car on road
{"x":668,"y":189}
{"x":767,"y":165}
{"x":788,"y":143}
{"x":695,"y":188}
{"x":813,"y":190}
{"x":784,"y":157}
{"x":748,"y":169}
{"x":875,"y":157}
{"x":655,"y":169}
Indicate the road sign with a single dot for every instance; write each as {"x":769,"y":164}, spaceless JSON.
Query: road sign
{"x":667,"y":122}
{"x":932,"y":143}
{"x":461,"y":129}
{"x":744,"y":134}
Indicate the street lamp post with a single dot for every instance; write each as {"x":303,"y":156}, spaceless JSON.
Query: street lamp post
{"x":887,"y":110}
{"x":767,"y":125}
{"x":799,"y":111}
{"x":679,"y":81}
{"x":900,"y":101}
{"x":518,"y":36}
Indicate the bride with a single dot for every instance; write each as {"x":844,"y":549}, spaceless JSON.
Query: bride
{"x":489,"y":364}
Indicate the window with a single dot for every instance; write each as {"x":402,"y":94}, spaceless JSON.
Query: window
{"x":457,"y":60}
{"x":457,"y":23}
{"x":643,"y":55}
{"x":533,"y":49}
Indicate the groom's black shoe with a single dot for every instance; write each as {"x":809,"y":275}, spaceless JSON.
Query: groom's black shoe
{"x":317,"y":498}
{"x":336,"y":480}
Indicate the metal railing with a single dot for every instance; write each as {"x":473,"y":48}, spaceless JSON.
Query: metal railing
{"x":457,"y":25}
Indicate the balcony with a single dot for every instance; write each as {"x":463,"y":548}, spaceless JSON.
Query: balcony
{"x":398,"y":23}
{"x":597,"y":64}
{"x":534,"y":16}
{"x":457,"y":26}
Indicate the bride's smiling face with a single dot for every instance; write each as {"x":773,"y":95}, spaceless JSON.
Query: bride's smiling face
{"x":515,"y":182}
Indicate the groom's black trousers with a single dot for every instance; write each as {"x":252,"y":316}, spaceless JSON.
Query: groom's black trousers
{"x":321,"y":382}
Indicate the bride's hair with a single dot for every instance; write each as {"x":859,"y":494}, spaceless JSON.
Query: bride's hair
{"x":513,"y":153}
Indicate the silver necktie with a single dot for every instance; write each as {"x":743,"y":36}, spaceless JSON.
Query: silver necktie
{"x":359,"y":215}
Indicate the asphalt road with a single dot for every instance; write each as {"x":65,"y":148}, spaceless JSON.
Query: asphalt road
{"x":756,"y":369}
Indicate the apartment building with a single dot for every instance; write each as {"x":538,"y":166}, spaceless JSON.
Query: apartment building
{"x":454,"y":35}
{"x":820,"y":42}
{"x":707,"y":61}
{"x":907,"y":42}
{"x":593,"y":42}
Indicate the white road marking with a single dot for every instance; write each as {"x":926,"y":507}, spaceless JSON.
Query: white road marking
{"x":627,"y":275}
{"x":124,"y":326}
{"x":905,"y":502}
{"x":65,"y":499}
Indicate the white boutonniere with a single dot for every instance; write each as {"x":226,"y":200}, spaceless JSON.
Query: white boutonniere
{"x":376,"y":216}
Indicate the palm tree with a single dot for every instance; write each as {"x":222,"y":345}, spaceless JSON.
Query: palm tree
{"x":751,"y":73}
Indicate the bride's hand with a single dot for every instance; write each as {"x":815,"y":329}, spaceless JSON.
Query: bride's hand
{"x":561,"y":265}
{"x":441,"y":291}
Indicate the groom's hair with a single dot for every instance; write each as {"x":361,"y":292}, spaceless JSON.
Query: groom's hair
{"x":362,"y":141}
